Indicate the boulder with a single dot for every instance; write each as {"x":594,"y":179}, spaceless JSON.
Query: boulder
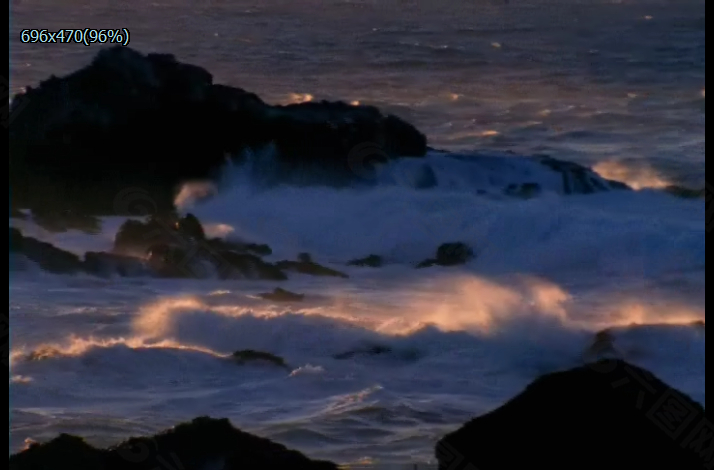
{"x":47,"y":256}
{"x":232,"y":265}
{"x":246,"y":356}
{"x":110,"y":264}
{"x":200,"y":444}
{"x":282,"y":295}
{"x":449,"y":254}
{"x":607,"y":414}
{"x":129,"y":121}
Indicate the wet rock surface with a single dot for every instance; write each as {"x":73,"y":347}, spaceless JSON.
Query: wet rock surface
{"x":607,"y":414}
{"x":197,"y":445}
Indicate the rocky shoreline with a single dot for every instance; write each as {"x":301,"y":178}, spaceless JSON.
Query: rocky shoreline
{"x":605,"y":414}
{"x":146,"y":122}
{"x":170,"y":246}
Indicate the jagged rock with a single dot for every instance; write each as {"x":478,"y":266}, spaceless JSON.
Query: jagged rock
{"x":251,"y":356}
{"x":305,"y":265}
{"x":232,"y":265}
{"x":608,"y":414}
{"x":173,"y":261}
{"x":190,"y":227}
{"x":83,"y":139}
{"x":47,"y":256}
{"x":135,"y":237}
{"x":578,"y":179}
{"x":449,"y":254}
{"x":220,"y":244}
{"x":282,"y":295}
{"x":371,"y":261}
{"x":108,"y":264}
{"x":198,"y":445}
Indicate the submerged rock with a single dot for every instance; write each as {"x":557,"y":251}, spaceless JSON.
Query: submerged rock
{"x":282,"y":295}
{"x":449,"y":254}
{"x":84,"y":139}
{"x":197,"y":445}
{"x":371,"y":261}
{"x":578,"y":179}
{"x":246,"y":356}
{"x":375,"y":350}
{"x":305,"y":265}
{"x":608,"y":414}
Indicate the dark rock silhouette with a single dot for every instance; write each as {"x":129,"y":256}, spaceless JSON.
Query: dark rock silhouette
{"x":449,"y":254}
{"x":252,"y":356}
{"x":110,"y":264}
{"x":305,"y":265}
{"x":371,"y":261}
{"x":378,"y":350}
{"x":375,"y":350}
{"x":199,"y":444}
{"x":82,"y":139}
{"x":232,"y":265}
{"x":608,"y":414}
{"x":47,"y":256}
{"x":136,"y":237}
{"x":578,"y":179}
{"x":282,"y":295}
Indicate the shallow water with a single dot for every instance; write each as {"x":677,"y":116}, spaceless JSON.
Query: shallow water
{"x":596,"y":82}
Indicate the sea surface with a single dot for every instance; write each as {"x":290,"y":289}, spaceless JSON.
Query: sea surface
{"x":618,"y":85}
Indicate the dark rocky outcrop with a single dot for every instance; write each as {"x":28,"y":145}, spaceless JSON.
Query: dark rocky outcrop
{"x":282,"y":295}
{"x":177,"y":247}
{"x":232,"y":265}
{"x":47,"y":256}
{"x":379,"y":350}
{"x":305,"y":265}
{"x":374,"y":350}
{"x":449,"y":254}
{"x":371,"y":261}
{"x":246,"y":356}
{"x":608,"y":414}
{"x":84,"y":139}
{"x":200,"y":444}
{"x":578,"y":179}
{"x":110,"y":264}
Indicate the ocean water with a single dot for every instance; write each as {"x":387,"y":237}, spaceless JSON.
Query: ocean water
{"x":617,"y":85}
